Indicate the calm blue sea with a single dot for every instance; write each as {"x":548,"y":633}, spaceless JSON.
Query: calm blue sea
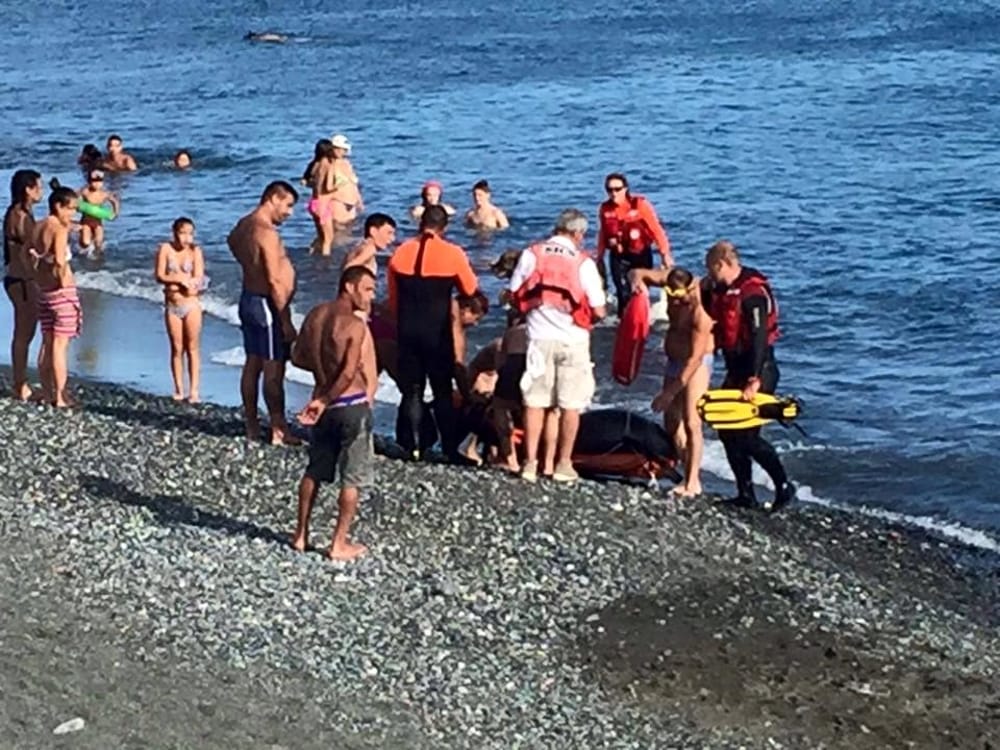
{"x":849,"y":148}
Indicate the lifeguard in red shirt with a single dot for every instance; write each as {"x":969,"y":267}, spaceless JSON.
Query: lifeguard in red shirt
{"x":629,"y":228}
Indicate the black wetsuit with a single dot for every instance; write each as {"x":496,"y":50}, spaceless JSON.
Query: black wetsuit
{"x":745,"y":446}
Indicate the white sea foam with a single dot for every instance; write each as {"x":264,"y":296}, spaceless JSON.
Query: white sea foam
{"x":140,"y":286}
{"x":387,"y":392}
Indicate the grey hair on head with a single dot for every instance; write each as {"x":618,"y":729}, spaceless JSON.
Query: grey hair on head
{"x":571,"y":221}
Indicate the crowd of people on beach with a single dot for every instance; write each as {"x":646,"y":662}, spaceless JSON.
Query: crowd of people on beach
{"x":516,"y":405}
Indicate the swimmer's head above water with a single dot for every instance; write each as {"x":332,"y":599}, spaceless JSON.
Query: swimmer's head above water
{"x":182,"y":159}
{"x":431,"y":193}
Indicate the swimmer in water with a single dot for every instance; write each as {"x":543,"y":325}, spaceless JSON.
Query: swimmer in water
{"x":180,"y":267}
{"x":266,"y":36}
{"x":430,"y":195}
{"x":380,"y":233}
{"x":90,"y":158}
{"x":345,"y":198}
{"x":182,"y":159}
{"x":117,"y":159}
{"x":91,"y":228}
{"x":484,"y":215}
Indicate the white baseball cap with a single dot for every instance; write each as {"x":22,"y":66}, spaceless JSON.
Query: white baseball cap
{"x":340,"y":141}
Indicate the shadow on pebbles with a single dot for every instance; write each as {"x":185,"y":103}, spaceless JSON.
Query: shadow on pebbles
{"x":751,"y":657}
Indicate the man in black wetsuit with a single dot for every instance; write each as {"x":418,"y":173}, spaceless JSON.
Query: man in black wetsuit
{"x":746,"y":327}
{"x":423,"y":273}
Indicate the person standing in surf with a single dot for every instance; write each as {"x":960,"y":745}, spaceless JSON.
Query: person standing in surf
{"x":26,"y":190}
{"x":746,"y":329}
{"x":345,"y":199}
{"x":380,"y":233}
{"x":688,"y":345}
{"x":92,"y":228}
{"x":180,"y":267}
{"x":59,"y":313}
{"x":628,"y":230}
{"x":337,"y":347}
{"x":319,"y":176}
{"x":117,"y":159}
{"x":265,"y":308}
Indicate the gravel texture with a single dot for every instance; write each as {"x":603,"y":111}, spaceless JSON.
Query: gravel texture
{"x":148,"y":588}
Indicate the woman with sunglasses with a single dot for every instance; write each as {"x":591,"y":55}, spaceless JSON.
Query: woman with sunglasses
{"x":689,"y":348}
{"x":628,"y":230}
{"x":92,"y":228}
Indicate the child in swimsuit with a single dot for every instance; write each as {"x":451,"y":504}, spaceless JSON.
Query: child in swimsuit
{"x":92,"y":229}
{"x":180,"y":267}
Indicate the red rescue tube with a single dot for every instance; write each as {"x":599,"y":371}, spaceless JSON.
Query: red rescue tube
{"x":630,"y":341}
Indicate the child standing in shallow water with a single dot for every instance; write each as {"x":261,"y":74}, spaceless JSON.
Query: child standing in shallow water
{"x":180,"y":267}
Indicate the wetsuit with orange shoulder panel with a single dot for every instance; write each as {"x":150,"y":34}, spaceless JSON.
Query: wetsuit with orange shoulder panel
{"x":422,"y":275}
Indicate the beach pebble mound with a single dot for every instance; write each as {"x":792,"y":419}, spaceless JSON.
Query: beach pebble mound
{"x":489,"y":613}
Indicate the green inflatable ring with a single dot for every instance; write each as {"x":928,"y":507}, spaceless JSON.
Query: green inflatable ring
{"x":104,"y":213}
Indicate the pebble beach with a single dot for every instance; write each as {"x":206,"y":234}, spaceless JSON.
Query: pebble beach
{"x":149,"y":591}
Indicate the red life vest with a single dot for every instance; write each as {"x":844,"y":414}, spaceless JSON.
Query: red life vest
{"x":632,"y":232}
{"x":556,"y":282}
{"x":732,"y":332}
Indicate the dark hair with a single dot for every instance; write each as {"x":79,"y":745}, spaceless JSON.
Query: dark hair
{"x":679,"y":278}
{"x":353,"y":275}
{"x":377,"y":221}
{"x":434,"y":217}
{"x":114,"y":137}
{"x":279,"y":188}
{"x":60,"y":197}
{"x":477,"y":303}
{"x":616,"y":176}
{"x":20,"y":181}
{"x":180,"y":222}
{"x":89,"y":156}
{"x":323,"y":150}
{"x":183,"y":152}
{"x":482,"y":185}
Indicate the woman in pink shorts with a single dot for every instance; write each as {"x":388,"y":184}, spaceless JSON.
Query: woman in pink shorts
{"x":59,"y":313}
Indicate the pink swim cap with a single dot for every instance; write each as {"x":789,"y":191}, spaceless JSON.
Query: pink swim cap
{"x":432,"y":184}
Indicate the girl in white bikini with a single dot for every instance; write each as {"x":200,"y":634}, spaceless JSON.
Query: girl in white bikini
{"x":180,"y":267}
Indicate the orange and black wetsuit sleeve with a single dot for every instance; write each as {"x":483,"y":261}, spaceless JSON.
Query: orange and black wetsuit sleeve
{"x":465,"y":277}
{"x":602,"y":235}
{"x":393,"y":286}
{"x":648,"y":214}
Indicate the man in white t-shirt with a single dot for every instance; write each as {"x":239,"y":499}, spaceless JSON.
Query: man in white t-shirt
{"x":557,"y":285}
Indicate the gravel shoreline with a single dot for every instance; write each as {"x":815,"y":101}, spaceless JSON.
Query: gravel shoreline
{"x":150,"y":591}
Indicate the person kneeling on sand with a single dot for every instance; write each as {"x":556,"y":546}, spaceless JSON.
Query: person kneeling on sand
{"x":688,"y":346}
{"x":558,"y":288}
{"x":336,"y":345}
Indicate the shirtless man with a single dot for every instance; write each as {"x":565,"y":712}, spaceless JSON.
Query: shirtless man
{"x":59,"y":313}
{"x":689,"y":345}
{"x":265,"y":308}
{"x":338,"y":347}
{"x":91,"y":228}
{"x":117,"y":159}
{"x":484,"y":215}
{"x":380,"y":233}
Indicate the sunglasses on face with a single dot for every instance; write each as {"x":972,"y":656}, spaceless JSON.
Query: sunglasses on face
{"x":676,"y":293}
{"x":615,"y":188}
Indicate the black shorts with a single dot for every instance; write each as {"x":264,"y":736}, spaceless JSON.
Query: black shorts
{"x":341,"y":444}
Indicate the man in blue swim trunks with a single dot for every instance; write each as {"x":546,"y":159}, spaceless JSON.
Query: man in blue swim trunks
{"x":265,"y":308}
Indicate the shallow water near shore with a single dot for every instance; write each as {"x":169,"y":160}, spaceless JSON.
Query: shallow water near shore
{"x":845,"y":147}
